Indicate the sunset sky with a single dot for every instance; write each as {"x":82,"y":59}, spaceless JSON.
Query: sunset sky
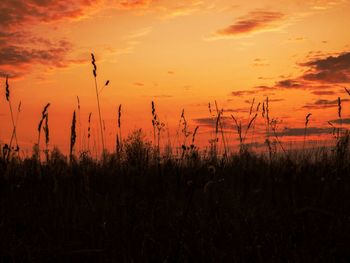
{"x":181,"y":54}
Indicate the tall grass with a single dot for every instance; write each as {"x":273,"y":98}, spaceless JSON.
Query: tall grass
{"x":307,"y":119}
{"x":73,"y":137}
{"x":138,"y":206}
{"x":44,"y":120}
{"x":14,"y":132}
{"x":94,"y":72}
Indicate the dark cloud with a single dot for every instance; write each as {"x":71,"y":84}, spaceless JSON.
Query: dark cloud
{"x":257,"y":89}
{"x":337,"y":63}
{"x":320,"y":76}
{"x":301,"y":131}
{"x":328,"y":76}
{"x":342,"y":121}
{"x":236,"y":110}
{"x":332,"y":69}
{"x":16,"y":13}
{"x":323,"y":92}
{"x":211,"y":122}
{"x":19,"y":48}
{"x":258,"y":62}
{"x":253,"y":21}
{"x":263,"y":88}
{"x":16,"y":56}
{"x":289,"y":83}
{"x":242,"y":92}
{"x":276,"y":100}
{"x":321,"y":104}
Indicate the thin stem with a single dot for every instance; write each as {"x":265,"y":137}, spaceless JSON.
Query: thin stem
{"x":221,"y":129}
{"x":14,"y":126}
{"x":99,"y":114}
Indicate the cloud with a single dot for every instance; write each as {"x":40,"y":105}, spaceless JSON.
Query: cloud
{"x":320,"y":75}
{"x":257,"y":89}
{"x":135,"y":3}
{"x":323,"y":92}
{"x":301,"y":131}
{"x":20,"y":46}
{"x":254,"y":21}
{"x":258,"y":62}
{"x":20,"y":49}
{"x":333,"y":69}
{"x":24,"y":12}
{"x":321,"y":104}
{"x":289,"y":83}
{"x":240,"y":93}
{"x":236,"y":110}
{"x":211,"y":122}
{"x":342,"y":121}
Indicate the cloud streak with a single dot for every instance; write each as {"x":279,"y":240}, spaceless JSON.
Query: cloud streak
{"x":301,"y":131}
{"x":135,"y":3}
{"x":20,"y":49}
{"x":257,"y":20}
{"x":320,"y":75}
{"x":322,"y":103}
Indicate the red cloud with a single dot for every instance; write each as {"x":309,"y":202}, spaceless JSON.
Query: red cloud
{"x":320,"y":76}
{"x":19,"y":49}
{"x":321,"y":104}
{"x":254,"y":21}
{"x":135,"y":3}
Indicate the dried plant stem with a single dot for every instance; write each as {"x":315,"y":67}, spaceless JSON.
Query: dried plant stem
{"x":221,"y":129}
{"x":99,"y":115}
{"x":89,"y":131}
{"x":340,"y":117}
{"x":305,"y":132}
{"x":93,"y":62}
{"x":79,"y":123}
{"x":73,"y":136}
{"x":14,"y":132}
{"x":120,"y":125}
{"x":15,"y":126}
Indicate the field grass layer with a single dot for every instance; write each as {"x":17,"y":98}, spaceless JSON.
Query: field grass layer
{"x":145,"y":208}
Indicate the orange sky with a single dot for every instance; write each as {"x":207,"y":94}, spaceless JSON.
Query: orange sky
{"x":181,"y":54}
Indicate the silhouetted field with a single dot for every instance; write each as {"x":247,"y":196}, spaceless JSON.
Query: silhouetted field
{"x":144,"y":203}
{"x":139,"y":206}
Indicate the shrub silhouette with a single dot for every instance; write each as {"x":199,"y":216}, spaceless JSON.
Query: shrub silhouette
{"x":137,"y":149}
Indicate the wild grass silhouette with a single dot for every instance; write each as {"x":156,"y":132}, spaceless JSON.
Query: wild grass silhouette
{"x":144,"y":204}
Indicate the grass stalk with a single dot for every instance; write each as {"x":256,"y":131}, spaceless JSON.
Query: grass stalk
{"x":93,"y":62}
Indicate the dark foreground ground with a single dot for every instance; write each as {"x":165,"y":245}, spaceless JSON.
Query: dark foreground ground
{"x":246,"y":208}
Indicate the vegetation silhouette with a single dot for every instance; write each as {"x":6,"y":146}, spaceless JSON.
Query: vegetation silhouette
{"x":144,"y":203}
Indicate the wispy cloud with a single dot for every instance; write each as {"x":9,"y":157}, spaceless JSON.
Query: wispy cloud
{"x":20,"y":49}
{"x":134,"y":3}
{"x":321,"y":75}
{"x":301,"y":131}
{"x":255,"y":21}
{"x":333,"y":69}
{"x":323,"y":92}
{"x":341,"y":121}
{"x":322,"y":103}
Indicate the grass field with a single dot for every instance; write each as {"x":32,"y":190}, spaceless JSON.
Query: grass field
{"x":144,"y":203}
{"x":137,"y":205}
